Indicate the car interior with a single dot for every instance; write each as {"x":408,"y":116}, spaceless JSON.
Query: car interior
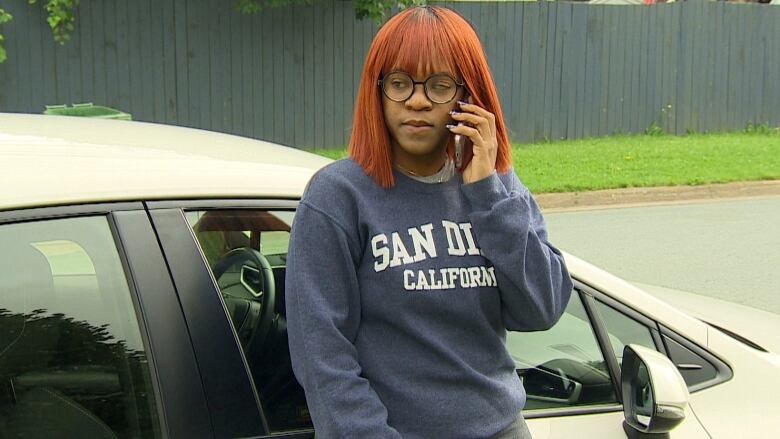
{"x":247,"y":251}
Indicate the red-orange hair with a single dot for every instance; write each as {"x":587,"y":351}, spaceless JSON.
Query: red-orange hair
{"x":420,"y":37}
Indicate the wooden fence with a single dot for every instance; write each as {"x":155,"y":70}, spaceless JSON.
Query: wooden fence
{"x":289,"y":75}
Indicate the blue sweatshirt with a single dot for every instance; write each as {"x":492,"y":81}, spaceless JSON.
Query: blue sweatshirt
{"x":398,"y":302}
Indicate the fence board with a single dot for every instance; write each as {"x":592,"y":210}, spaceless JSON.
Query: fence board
{"x":288,"y":88}
{"x":696,"y":72}
{"x":342,"y":14}
{"x":307,"y":17}
{"x":550,"y":69}
{"x":757,"y":62}
{"x":672,"y":62}
{"x":616,"y":82}
{"x":328,"y":64}
{"x":648,"y":70}
{"x":772,"y":96}
{"x":638,"y":85}
{"x":179,"y":90}
{"x":95,"y":12}
{"x":23,"y":62}
{"x":708,"y":114}
{"x":592,"y":82}
{"x":503,"y":58}
{"x":526,"y":65}
{"x":150,"y":70}
{"x":263,"y":88}
{"x":734,"y":67}
{"x":84,"y":59}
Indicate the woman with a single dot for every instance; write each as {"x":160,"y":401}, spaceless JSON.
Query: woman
{"x":404,"y":273}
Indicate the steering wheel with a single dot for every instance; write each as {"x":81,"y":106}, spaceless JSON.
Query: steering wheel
{"x":258,"y":307}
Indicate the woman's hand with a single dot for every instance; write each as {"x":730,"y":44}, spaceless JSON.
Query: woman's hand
{"x":479,"y":126}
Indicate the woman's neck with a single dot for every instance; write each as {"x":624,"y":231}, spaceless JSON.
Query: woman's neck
{"x":420,"y":165}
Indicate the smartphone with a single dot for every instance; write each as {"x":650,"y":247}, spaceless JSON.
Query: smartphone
{"x":460,"y":143}
{"x":463,"y":151}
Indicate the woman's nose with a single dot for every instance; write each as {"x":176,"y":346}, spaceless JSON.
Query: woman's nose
{"x":418,"y":100}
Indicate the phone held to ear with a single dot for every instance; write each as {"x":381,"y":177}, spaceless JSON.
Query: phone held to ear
{"x":463,"y":151}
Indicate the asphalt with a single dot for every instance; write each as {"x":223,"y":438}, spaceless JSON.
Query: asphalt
{"x":727,"y":248}
{"x":636,"y":197}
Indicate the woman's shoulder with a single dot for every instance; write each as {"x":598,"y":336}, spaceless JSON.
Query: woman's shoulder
{"x":343,"y":173}
{"x":336,"y":185}
{"x":342,"y":169}
{"x":511,"y":181}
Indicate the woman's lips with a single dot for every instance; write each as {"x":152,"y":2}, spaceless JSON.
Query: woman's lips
{"x":417,"y":128}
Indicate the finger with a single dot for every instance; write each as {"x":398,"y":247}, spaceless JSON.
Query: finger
{"x":471,"y":118}
{"x":465,"y":130}
{"x":478,"y":110}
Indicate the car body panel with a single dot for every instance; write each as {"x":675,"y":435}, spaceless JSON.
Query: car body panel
{"x":729,"y":409}
{"x":758,"y":326}
{"x":182,"y":404}
{"x":81,"y":160}
{"x":604,"y":426}
{"x":647,"y":304}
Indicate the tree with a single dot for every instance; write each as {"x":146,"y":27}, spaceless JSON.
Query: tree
{"x":61,"y":14}
{"x":61,"y":17}
{"x":5,"y":17}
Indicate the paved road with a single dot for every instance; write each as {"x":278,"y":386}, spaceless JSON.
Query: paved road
{"x":725,"y":249}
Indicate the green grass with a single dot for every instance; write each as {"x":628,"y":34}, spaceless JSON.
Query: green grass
{"x":643,"y":160}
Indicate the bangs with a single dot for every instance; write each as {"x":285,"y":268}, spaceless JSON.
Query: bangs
{"x":422,"y":46}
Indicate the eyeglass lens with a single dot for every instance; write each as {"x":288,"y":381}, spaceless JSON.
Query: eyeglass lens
{"x":439,"y":88}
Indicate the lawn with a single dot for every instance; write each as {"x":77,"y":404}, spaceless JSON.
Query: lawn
{"x":643,"y":160}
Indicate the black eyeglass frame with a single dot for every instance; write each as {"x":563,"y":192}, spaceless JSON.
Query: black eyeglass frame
{"x":380,"y":83}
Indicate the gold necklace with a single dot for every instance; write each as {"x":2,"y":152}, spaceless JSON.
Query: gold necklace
{"x":410,"y":172}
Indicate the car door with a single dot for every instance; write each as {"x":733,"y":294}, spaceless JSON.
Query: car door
{"x":92,"y":339}
{"x":571,"y":371}
{"x":227,"y":260}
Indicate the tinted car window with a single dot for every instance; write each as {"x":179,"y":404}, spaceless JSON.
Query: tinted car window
{"x":563,"y":366}
{"x":247,"y":253}
{"x":72,"y":363}
{"x":623,"y":330}
{"x":694,"y":368}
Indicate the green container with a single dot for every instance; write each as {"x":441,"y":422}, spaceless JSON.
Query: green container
{"x":87,"y":110}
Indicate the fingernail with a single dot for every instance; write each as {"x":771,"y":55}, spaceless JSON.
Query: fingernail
{"x":462,"y":102}
{"x":450,"y":126}
{"x":454,"y":112}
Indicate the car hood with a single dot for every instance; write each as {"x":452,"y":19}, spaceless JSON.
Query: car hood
{"x":757,"y":326}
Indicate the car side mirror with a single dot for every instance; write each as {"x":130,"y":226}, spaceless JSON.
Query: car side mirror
{"x":654,"y":394}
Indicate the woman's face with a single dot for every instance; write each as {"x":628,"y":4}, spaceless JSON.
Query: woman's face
{"x":417,"y":126}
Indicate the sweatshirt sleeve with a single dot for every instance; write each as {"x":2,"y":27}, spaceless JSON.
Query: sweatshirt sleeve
{"x":323,"y":315}
{"x":532,"y":278}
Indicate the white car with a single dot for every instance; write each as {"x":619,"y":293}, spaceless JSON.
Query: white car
{"x":142,"y":295}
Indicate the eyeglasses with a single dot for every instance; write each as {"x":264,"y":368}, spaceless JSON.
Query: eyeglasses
{"x":439,"y":88}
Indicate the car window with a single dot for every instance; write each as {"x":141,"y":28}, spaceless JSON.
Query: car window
{"x":694,"y":368}
{"x":623,"y":330}
{"x":72,"y":363}
{"x":247,"y":254}
{"x":562,"y":366}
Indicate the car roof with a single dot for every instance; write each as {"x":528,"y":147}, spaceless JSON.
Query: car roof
{"x":56,"y":160}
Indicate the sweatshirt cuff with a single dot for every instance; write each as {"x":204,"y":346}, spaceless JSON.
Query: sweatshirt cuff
{"x":485,"y":193}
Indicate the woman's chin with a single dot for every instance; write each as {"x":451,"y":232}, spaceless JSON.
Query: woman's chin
{"x":420,"y":149}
